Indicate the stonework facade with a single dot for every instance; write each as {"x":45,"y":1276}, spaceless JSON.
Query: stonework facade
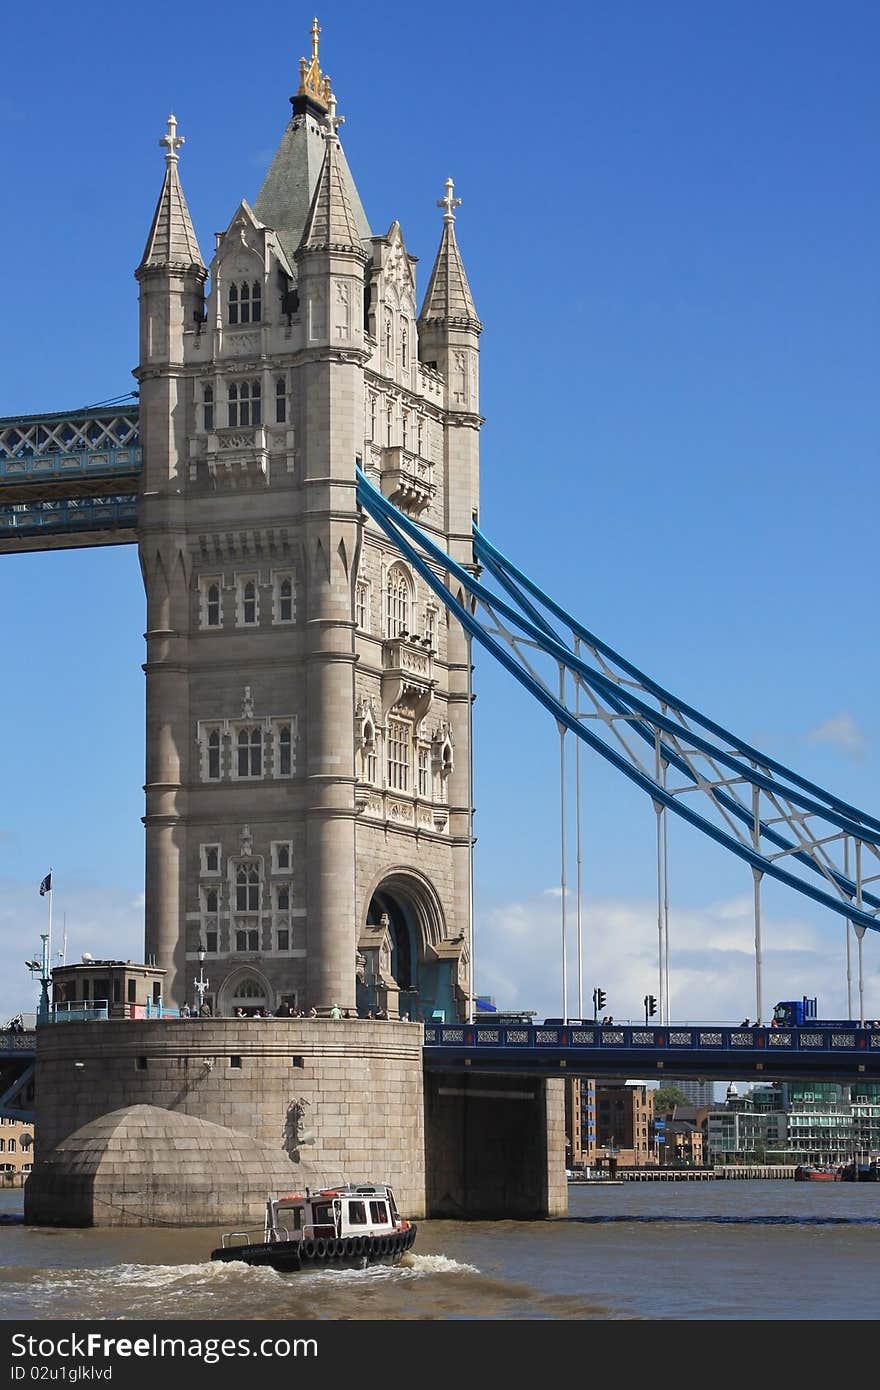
{"x":308,"y":819}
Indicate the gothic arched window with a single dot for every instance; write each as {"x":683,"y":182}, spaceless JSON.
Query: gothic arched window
{"x":284,"y":750}
{"x":285,"y":600}
{"x":249,"y":989}
{"x":404,"y":345}
{"x":280,"y":401}
{"x":214,"y":755}
{"x":208,"y":407}
{"x":247,"y":888}
{"x":397,"y":602}
{"x":233,"y":303}
{"x":249,"y":602}
{"x":212,"y":606}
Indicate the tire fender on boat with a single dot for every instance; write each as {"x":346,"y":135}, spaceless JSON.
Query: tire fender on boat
{"x":308,"y":1249}
{"x":321,"y":1249}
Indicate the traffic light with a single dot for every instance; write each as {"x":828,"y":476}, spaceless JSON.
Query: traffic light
{"x":599,"y":997}
{"x":650,"y":1005}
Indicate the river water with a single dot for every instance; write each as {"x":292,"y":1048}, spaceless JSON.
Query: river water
{"x":703,"y":1250}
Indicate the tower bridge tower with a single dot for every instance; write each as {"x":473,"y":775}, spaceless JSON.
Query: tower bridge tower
{"x":308,"y":820}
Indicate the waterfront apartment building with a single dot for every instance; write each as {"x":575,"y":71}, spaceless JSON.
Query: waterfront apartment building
{"x":609,"y":1122}
{"x":796,"y":1122}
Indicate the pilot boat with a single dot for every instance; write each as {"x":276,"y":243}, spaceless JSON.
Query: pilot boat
{"x":346,"y":1227}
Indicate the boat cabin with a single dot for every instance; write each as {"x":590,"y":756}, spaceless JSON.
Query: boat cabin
{"x":333,"y":1213}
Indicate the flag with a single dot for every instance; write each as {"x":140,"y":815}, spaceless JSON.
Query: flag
{"x":46,"y":885}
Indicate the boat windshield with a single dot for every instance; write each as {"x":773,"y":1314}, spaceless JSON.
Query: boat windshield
{"x":288,"y":1216}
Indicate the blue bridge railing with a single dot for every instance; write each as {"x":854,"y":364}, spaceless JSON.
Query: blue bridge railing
{"x":68,"y":516}
{"x":83,"y":463}
{"x":641,"y":1051}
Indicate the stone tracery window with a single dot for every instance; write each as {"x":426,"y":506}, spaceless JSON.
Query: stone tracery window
{"x":362,"y":605}
{"x":250,"y":752}
{"x":214,"y":755}
{"x":247,"y":887}
{"x":398,"y":754}
{"x":247,"y":593}
{"x":249,"y":602}
{"x":397,"y":602}
{"x":212,"y":606}
{"x":245,"y":302}
{"x":424,"y":772}
{"x":285,"y":600}
{"x":285,"y":751}
{"x":244,"y":404}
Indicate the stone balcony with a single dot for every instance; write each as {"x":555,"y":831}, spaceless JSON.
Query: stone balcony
{"x":236,"y":453}
{"x":407,"y":480}
{"x":407,"y":676}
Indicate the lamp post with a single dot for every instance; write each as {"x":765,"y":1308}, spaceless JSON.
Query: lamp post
{"x":41,"y":969}
{"x":201,"y":984}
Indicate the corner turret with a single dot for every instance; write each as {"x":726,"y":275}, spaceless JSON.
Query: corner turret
{"x":171,"y":273}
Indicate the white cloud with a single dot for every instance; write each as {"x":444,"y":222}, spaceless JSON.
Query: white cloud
{"x":712,"y":976}
{"x":841,"y":731}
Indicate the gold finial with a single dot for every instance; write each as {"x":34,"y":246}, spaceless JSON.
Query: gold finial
{"x":312,"y":82}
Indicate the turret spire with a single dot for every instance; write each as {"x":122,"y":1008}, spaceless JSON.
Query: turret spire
{"x":172,"y":239}
{"x":448,"y":298}
{"x":331,"y":220}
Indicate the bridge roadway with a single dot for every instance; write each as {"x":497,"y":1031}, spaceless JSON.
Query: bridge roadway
{"x":712,"y":1052}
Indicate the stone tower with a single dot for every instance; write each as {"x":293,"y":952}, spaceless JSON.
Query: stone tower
{"x":308,"y":821}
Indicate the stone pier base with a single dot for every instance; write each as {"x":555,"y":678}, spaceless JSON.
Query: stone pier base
{"x":495,"y":1146}
{"x":195,"y":1121}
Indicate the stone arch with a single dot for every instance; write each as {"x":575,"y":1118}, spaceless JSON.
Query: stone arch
{"x":404,"y":950}
{"x":234,"y":991}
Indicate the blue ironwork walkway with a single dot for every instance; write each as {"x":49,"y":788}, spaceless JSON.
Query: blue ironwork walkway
{"x":70,"y":478}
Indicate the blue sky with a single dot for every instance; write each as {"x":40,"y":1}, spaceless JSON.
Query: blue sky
{"x":669,"y":221}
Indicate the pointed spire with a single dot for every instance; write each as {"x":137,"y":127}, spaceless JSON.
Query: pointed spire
{"x":331,"y":221}
{"x":284,"y":201}
{"x":448,"y":298}
{"x":172,"y":240}
{"x":313,"y":83}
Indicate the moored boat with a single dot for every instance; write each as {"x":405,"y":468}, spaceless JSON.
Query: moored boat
{"x":860,"y":1172}
{"x":808,"y":1172}
{"x":345,"y":1227}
